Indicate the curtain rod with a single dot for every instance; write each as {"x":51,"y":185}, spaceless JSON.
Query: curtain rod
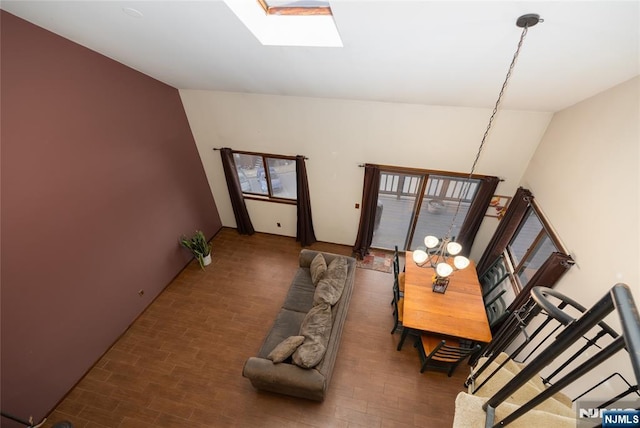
{"x":260,"y":154}
{"x":409,"y":170}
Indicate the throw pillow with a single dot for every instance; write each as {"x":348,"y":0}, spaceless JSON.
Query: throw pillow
{"x":316,"y":328}
{"x":284,"y":349}
{"x":318,"y":268}
{"x":330,"y":287}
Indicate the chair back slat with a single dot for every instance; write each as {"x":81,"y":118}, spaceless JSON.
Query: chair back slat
{"x":441,"y":355}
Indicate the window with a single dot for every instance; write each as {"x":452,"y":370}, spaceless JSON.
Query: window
{"x":288,"y":23}
{"x":267,"y":177}
{"x":415,"y":203}
{"x":531,"y":246}
{"x":288,"y":7}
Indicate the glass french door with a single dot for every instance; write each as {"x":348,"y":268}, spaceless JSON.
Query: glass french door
{"x":413,"y":205}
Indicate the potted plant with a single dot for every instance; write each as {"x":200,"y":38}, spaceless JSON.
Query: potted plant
{"x":199,"y":246}
{"x":435,"y":206}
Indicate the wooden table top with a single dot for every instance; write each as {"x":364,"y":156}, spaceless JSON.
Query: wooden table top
{"x":459,"y":312}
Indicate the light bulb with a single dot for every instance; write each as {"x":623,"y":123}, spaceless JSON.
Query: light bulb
{"x":420,"y":256}
{"x":431,"y":241}
{"x":460,"y":262}
{"x":443,"y":270}
{"x":453,"y":248}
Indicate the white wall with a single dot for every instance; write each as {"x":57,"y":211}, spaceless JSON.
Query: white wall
{"x":337,"y":135}
{"x":585,"y":177}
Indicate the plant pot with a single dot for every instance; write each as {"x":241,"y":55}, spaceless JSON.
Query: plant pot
{"x":435,"y":206}
{"x":206,"y":260}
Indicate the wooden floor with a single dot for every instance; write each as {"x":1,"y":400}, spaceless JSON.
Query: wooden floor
{"x":180,"y":363}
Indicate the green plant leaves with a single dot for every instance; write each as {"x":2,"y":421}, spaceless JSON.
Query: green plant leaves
{"x":198,"y":245}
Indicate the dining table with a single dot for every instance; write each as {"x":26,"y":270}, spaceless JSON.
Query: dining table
{"x":458,"y":312}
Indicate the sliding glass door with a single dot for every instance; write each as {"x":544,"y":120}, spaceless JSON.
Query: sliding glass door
{"x":397,"y":200}
{"x":413,"y":205}
{"x":444,"y":198}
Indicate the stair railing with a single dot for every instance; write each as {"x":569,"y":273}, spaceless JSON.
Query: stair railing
{"x":619,"y":299}
{"x":516,"y":327}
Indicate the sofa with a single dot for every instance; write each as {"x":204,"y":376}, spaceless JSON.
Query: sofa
{"x":305,"y":296}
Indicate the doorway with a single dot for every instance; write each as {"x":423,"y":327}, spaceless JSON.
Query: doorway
{"x":414,"y":204}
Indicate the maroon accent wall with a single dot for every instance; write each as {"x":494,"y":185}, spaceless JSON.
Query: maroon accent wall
{"x":99,"y":176}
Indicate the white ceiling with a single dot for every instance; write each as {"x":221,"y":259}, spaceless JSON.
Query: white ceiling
{"x":427,"y":52}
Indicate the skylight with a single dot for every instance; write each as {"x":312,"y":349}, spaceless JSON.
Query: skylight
{"x":288,"y":23}
{"x":298,"y":8}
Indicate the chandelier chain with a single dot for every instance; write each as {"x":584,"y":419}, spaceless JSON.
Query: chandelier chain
{"x":486,"y":132}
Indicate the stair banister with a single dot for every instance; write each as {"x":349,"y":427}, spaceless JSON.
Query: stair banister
{"x":515,"y":352}
{"x":508,"y":333}
{"x":575,"y":374}
{"x":575,"y":330}
{"x":628,"y":312}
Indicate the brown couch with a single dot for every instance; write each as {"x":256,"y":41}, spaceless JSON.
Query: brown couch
{"x":286,"y":377}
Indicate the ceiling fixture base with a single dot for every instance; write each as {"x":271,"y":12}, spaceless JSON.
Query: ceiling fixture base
{"x":528,"y":20}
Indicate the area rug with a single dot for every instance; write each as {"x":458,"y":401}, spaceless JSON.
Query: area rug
{"x":376,"y":260}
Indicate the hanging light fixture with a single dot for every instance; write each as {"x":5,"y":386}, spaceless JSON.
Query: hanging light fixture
{"x":443,"y":256}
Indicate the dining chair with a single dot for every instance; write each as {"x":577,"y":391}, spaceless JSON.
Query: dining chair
{"x":496,"y":309}
{"x":399,"y":273}
{"x":398,"y":307}
{"x":491,"y":278}
{"x":439,"y":353}
{"x":398,"y":277}
{"x":495,"y":282}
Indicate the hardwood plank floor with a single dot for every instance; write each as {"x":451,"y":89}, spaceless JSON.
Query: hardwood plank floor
{"x":180,"y":363}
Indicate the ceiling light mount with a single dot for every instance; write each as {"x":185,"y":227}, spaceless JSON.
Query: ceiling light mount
{"x":528,"y":20}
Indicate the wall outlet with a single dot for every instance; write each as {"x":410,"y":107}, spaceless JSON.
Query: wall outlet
{"x":357,"y":206}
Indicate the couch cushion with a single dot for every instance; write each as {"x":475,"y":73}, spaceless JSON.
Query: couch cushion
{"x":287,"y":324}
{"x":318,"y":268}
{"x":316,"y":328}
{"x":284,"y":349}
{"x":300,"y":295}
{"x":330,"y":287}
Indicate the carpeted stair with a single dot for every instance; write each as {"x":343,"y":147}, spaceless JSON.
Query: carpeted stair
{"x":554,"y":412}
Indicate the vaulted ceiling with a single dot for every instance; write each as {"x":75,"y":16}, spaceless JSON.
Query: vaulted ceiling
{"x":453,"y":53}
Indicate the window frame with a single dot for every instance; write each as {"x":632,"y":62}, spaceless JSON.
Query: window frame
{"x":269,"y":197}
{"x":422,"y":190}
{"x":322,"y":8}
{"x":546,"y":230}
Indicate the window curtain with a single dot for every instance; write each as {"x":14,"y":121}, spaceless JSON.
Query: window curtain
{"x":368,"y":213}
{"x":506,"y":229}
{"x":240,"y":212}
{"x":304,"y":234}
{"x":477,"y":210}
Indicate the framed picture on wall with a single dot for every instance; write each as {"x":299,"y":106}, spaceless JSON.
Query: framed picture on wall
{"x":498,"y":206}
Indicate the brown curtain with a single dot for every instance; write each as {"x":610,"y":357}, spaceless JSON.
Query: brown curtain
{"x":506,"y":229}
{"x":305,"y":234}
{"x":477,"y":210}
{"x":368,"y":213}
{"x":235,"y":193}
{"x":547,"y":276}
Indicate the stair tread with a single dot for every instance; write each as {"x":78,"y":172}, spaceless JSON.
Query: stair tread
{"x":558,"y":404}
{"x":469,"y":414}
{"x":536,"y":380}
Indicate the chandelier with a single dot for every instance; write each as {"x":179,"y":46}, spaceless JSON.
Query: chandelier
{"x":443,"y":255}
